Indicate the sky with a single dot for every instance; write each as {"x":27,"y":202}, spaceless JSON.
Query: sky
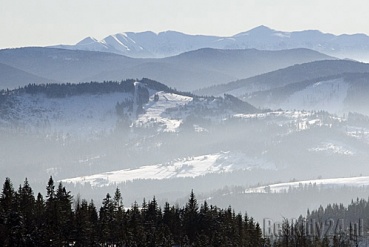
{"x":51,"y":22}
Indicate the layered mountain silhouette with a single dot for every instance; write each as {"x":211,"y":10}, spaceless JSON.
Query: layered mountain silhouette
{"x":286,"y":76}
{"x":12,"y":77}
{"x":187,"y":71}
{"x":331,"y":85}
{"x":170,"y":43}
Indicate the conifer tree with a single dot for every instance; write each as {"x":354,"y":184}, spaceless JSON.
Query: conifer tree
{"x":7,"y":196}
{"x":106,"y":218}
{"x":27,"y":209}
{"x":26,"y":221}
{"x":63,"y":201}
{"x":191,"y":218}
{"x":118,"y":219}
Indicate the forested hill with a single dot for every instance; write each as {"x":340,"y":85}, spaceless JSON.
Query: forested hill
{"x":60,"y":219}
{"x":60,"y":90}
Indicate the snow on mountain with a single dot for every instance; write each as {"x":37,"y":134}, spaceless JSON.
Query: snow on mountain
{"x":170,"y":43}
{"x":89,"y":114}
{"x":88,"y":44}
{"x":108,"y":133}
{"x":123,"y":44}
{"x":301,"y":119}
{"x":327,"y":183}
{"x":323,"y":95}
{"x":87,"y":41}
{"x":180,"y":168}
{"x":333,"y":148}
{"x":338,"y":94}
{"x":155,"y":110}
{"x":83,"y":115}
{"x":359,"y":133}
{"x":282,"y":81}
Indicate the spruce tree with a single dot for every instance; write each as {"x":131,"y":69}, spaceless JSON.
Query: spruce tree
{"x":191,"y":218}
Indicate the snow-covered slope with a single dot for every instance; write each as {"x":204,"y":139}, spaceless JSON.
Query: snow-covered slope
{"x":337,"y":94}
{"x":155,"y":110}
{"x":93,"y":109}
{"x":82,"y":115}
{"x":180,"y":168}
{"x":323,"y":95}
{"x":299,"y":73}
{"x":334,"y":148}
{"x":149,"y":44}
{"x":138,"y":129}
{"x":330,"y":183}
{"x":89,"y":115}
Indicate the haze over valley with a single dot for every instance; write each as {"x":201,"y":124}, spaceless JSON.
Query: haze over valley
{"x":260,"y":116}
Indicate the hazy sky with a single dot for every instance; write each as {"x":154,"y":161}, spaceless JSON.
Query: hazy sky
{"x":48,"y":22}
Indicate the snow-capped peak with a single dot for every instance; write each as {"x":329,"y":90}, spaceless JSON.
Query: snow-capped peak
{"x":88,"y":41}
{"x":257,"y":31}
{"x":169,"y":43}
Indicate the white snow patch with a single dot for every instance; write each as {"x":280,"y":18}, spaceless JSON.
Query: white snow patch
{"x":181,"y":168}
{"x":282,"y":35}
{"x":119,"y":42}
{"x":333,"y":148}
{"x":358,"y":133}
{"x":325,"y":183}
{"x":156,"y":110}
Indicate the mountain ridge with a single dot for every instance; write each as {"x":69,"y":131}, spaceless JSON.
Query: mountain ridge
{"x":338,"y":94}
{"x":169,"y":43}
{"x":9,"y":74}
{"x":186,"y":72}
{"x":282,"y":77}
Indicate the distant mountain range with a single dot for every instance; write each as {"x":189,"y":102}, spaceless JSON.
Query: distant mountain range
{"x":275,"y":77}
{"x":170,"y":43}
{"x":188,"y":71}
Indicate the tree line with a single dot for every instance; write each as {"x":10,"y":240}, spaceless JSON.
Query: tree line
{"x":62,"y":90}
{"x":59,"y":219}
{"x":335,"y":225}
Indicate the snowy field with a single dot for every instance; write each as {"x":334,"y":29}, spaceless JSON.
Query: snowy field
{"x":327,"y":183}
{"x":181,"y":168}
